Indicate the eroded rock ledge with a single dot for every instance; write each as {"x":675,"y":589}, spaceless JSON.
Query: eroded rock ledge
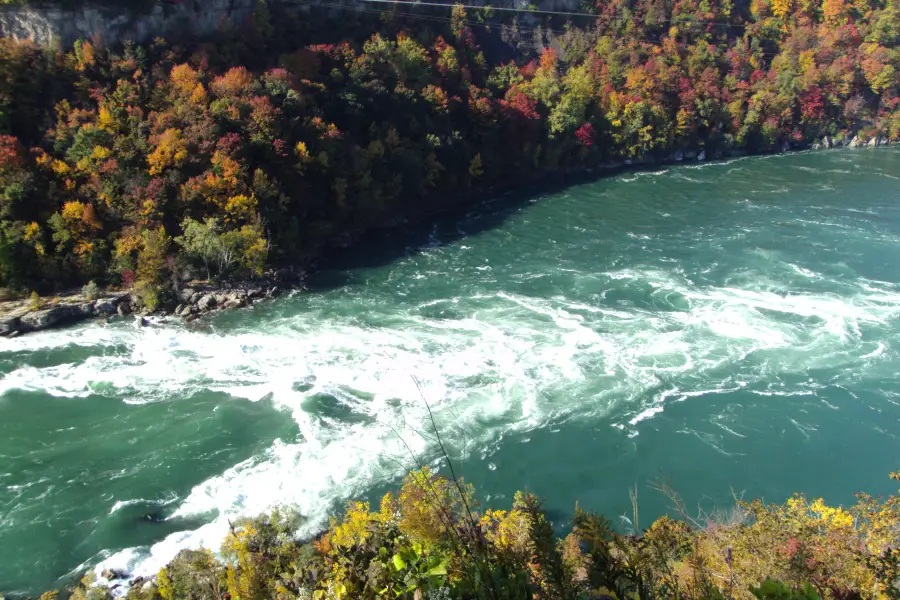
{"x":190,"y":303}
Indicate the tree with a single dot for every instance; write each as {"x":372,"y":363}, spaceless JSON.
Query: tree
{"x":570,"y":112}
{"x":202,"y":242}
{"x":170,"y":151}
{"x":16,"y":180}
{"x":152,"y":262}
{"x":219,"y":250}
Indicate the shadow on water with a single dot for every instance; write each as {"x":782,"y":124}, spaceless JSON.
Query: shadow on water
{"x":489,"y":210}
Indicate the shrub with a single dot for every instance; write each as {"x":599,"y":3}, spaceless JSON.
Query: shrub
{"x":777,"y":590}
{"x":192,"y":574}
{"x":148,"y":294}
{"x":90,"y":290}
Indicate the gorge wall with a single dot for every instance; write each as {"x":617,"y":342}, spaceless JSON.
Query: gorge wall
{"x":47,"y":25}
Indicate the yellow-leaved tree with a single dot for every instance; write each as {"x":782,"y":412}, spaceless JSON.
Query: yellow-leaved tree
{"x":170,"y":151}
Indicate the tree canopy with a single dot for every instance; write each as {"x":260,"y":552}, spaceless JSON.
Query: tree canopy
{"x":259,"y":146}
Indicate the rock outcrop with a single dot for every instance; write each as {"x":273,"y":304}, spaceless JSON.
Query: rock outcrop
{"x":46,"y":25}
{"x":196,"y":302}
{"x":196,"y":299}
{"x":20,"y":318}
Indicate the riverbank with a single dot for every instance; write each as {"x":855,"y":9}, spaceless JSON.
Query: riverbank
{"x":197,"y":299}
{"x":194,"y":300}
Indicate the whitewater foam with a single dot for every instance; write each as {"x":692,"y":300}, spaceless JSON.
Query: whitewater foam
{"x":526,"y":353}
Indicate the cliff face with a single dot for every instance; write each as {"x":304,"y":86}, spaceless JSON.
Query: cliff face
{"x":47,"y":25}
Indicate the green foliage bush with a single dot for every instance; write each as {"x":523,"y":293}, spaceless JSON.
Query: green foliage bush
{"x":149,"y":295}
{"x":778,"y":590}
{"x":90,"y":290}
{"x":431,"y":540}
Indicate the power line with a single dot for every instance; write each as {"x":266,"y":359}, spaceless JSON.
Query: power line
{"x":433,"y":18}
{"x":492,"y":8}
{"x":486,"y":25}
{"x":553,"y":12}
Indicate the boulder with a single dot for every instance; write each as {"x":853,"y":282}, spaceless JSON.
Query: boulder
{"x":178,"y":309}
{"x":48,"y":317}
{"x":141,"y":322}
{"x":237,"y":296}
{"x":207,"y":302}
{"x":9,"y":325}
{"x":827,"y":141}
{"x":185,"y":311}
{"x":702,"y":155}
{"x":105,"y":306}
{"x":233,"y":303}
{"x":123,"y":308}
{"x":111,"y":574}
{"x":678,"y":156}
{"x":195,"y":297}
{"x":873,"y":142}
{"x":186,"y":294}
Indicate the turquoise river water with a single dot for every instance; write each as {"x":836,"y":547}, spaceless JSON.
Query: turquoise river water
{"x":733,"y":327}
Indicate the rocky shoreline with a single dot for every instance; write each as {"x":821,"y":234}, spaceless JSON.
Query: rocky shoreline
{"x":194,"y":302}
{"x":191,"y":302}
{"x":19,"y":316}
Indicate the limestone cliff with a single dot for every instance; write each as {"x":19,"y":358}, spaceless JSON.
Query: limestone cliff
{"x":46,"y":25}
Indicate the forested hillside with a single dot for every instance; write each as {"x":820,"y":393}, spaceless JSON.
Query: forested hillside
{"x":219,"y":158}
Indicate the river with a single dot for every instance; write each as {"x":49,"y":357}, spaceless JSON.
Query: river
{"x":732,"y":327}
